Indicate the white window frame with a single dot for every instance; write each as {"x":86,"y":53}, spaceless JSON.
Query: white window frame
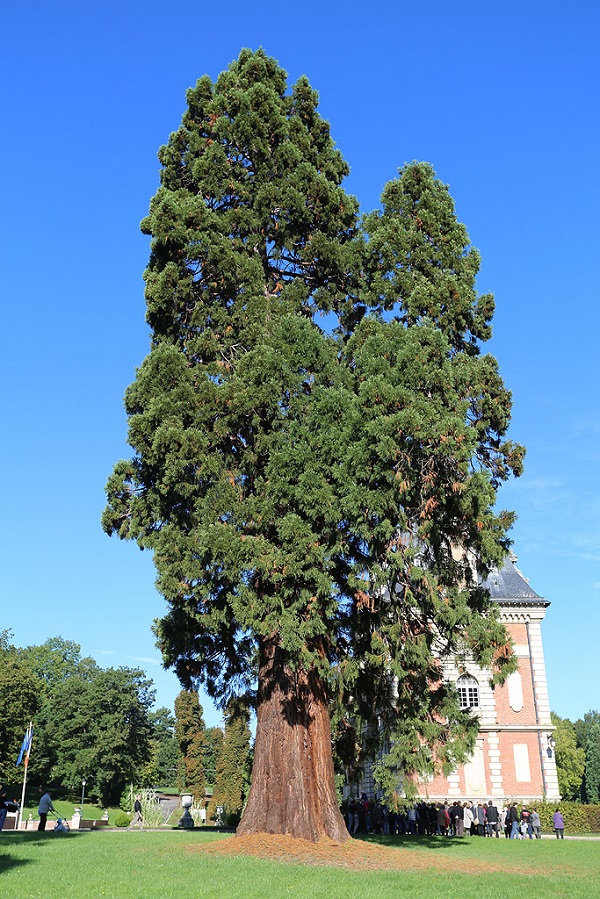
{"x":467,"y":688}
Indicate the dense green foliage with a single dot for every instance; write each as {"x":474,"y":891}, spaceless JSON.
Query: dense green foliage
{"x":19,"y":700}
{"x":190,"y":735}
{"x":327,"y":483}
{"x":570,"y":758}
{"x":90,"y":722}
{"x":578,"y":756}
{"x":579,"y":819}
{"x":587,"y":730}
{"x":97,"y":728}
{"x":213,"y":744}
{"x":96,"y":724}
{"x":233,"y":761}
{"x":592,"y":764}
{"x":55,"y":660}
{"x":161,"y":767}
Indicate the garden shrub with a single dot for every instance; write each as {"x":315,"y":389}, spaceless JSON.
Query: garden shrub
{"x":122,"y":819}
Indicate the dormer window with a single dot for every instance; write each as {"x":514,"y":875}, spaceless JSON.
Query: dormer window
{"x":468,"y":692}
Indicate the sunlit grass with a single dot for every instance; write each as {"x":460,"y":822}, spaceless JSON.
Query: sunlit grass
{"x":160,"y":865}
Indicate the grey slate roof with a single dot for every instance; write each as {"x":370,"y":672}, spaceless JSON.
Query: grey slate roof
{"x":508,"y":584}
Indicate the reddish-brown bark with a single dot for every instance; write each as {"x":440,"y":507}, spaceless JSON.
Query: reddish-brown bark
{"x":293,"y":788}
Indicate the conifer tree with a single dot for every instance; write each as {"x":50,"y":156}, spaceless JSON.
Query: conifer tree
{"x":232,"y":762}
{"x":213,"y":745}
{"x":318,"y":504}
{"x":427,"y":449}
{"x":591,"y":781}
{"x":189,"y":732}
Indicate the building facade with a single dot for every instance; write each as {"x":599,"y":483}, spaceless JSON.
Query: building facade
{"x":514,"y":753}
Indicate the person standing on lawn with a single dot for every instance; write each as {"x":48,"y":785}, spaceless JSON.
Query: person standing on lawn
{"x":458,"y":819}
{"x":513,"y":817}
{"x":44,"y":807}
{"x":558,"y":822}
{"x":492,"y":820}
{"x":526,"y":820}
{"x":536,"y":824}
{"x":481,"y":820}
{"x":3,"y":808}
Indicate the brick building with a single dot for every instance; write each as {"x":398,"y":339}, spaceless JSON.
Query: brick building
{"x":514,"y":753}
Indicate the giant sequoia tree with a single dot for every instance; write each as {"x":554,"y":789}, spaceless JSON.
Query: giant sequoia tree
{"x":317,"y":442}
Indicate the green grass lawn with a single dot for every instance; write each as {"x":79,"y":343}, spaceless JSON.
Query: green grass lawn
{"x":161,"y":865}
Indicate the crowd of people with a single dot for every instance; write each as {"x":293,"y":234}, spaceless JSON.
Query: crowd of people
{"x":455,"y":819}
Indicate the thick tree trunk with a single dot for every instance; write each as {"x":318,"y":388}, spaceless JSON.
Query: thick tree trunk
{"x":293,"y":789}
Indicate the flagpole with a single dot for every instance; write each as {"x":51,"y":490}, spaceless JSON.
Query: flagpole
{"x":29,"y":741}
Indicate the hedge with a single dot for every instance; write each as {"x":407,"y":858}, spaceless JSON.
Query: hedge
{"x":579,"y":819}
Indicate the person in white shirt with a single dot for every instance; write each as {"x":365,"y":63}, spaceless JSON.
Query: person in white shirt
{"x":468,"y":818}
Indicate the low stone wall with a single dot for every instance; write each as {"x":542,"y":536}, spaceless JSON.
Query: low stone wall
{"x":76,"y":822}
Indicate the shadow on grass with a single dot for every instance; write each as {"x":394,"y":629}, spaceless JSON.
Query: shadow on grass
{"x":201,"y":828}
{"x":30,"y":838}
{"x":451,"y":844}
{"x":8,"y":861}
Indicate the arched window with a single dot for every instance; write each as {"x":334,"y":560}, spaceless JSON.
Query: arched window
{"x":468,"y":692}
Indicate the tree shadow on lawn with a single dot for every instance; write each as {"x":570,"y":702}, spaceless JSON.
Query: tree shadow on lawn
{"x":8,"y":862}
{"x":33,"y":838}
{"x":417,"y":842}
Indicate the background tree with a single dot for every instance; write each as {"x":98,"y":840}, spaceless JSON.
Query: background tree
{"x":161,"y":768}
{"x":189,"y":733}
{"x":89,"y":722}
{"x":213,"y":746}
{"x":592,"y":765}
{"x":587,"y":730}
{"x":319,"y":505}
{"x":55,"y":660}
{"x":19,"y":701}
{"x":232,"y":765}
{"x":588,"y":734}
{"x":570,"y":759}
{"x":582,"y":726}
{"x":97,"y":727}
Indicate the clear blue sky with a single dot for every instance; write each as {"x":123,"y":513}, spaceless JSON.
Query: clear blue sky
{"x":501,"y":98}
